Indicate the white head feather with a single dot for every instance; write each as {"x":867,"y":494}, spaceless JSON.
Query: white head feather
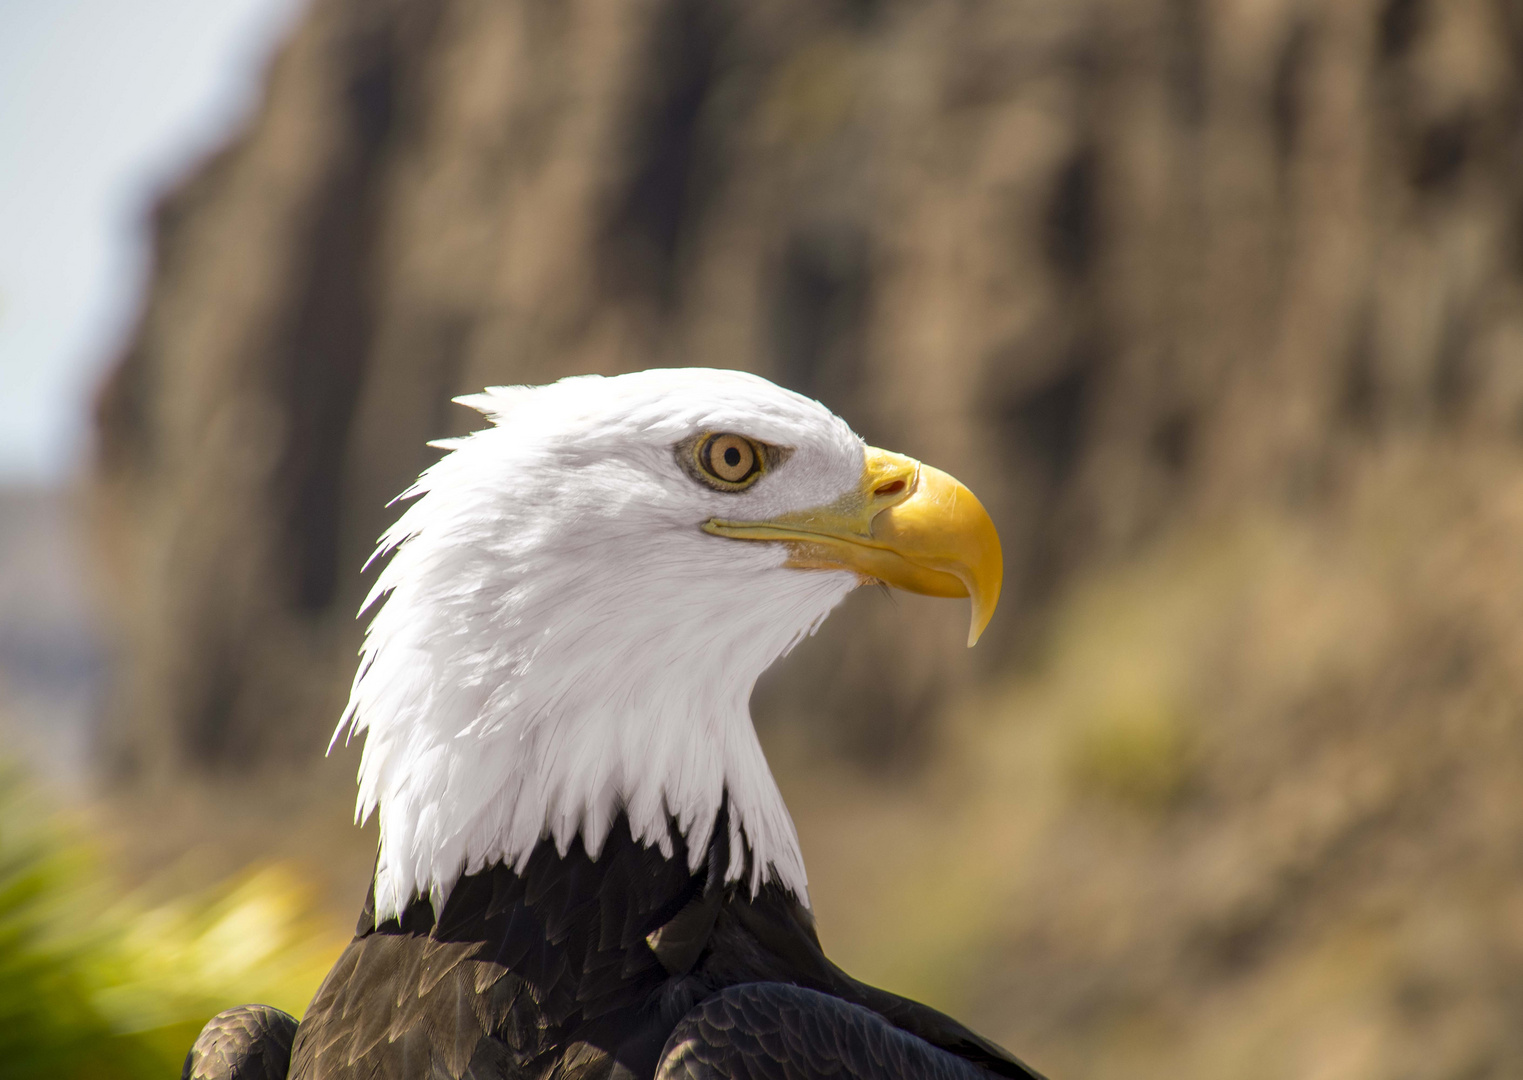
{"x":558,"y":641}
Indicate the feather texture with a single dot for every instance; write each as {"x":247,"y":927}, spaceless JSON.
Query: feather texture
{"x":556,"y":641}
{"x":251,"y":1042}
{"x":549,"y":973}
{"x":774,"y":1031}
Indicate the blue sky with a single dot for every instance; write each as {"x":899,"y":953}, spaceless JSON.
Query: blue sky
{"x":102,"y":104}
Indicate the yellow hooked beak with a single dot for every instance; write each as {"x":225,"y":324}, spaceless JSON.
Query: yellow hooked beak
{"x":907,"y":525}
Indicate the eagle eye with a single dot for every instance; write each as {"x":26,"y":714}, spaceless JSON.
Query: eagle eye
{"x":730,"y":458}
{"x":728,"y":462}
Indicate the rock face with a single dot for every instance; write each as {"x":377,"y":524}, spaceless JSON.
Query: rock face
{"x":1196,"y":294}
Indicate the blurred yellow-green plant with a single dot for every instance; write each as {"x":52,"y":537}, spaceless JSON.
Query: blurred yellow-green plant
{"x":98,"y":984}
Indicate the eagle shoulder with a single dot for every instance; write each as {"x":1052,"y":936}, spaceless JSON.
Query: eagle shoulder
{"x":523,"y":974}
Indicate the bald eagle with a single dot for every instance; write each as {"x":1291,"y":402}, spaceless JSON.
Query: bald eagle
{"x":586,"y":868}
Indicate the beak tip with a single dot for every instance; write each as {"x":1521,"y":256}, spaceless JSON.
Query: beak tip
{"x":982,"y":602}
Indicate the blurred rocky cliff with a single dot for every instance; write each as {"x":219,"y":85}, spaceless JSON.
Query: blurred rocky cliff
{"x":1217,"y":305}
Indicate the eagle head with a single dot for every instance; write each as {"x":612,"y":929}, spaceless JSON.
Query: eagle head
{"x":580,"y":598}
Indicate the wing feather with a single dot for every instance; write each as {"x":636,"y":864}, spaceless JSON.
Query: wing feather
{"x":251,"y":1042}
{"x":775,"y":1031}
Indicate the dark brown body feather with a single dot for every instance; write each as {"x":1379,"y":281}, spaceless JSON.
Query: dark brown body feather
{"x":251,"y":1042}
{"x":582,"y":968}
{"x":776,"y":1031}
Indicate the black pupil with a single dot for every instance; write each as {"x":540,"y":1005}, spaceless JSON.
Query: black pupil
{"x":731,"y":456}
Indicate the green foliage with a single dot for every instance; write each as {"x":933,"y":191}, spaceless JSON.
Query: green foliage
{"x":94,"y":985}
{"x":49,"y":1023}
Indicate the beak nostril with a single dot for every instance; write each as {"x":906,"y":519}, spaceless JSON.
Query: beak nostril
{"x":893,"y":487}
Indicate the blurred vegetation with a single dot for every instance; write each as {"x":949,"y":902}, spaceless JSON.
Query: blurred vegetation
{"x":98,"y":982}
{"x":1137,"y":752}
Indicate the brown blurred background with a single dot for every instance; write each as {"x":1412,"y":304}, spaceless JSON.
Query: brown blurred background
{"x":1217,"y":304}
